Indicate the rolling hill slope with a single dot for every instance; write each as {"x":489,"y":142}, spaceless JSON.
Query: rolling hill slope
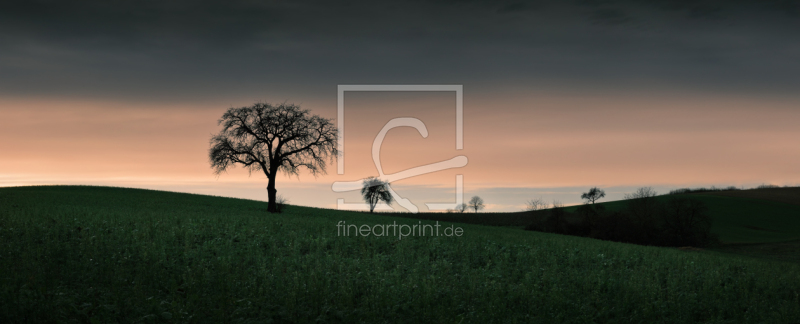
{"x":97,"y":254}
{"x":739,"y":217}
{"x":745,"y":216}
{"x":749,"y":220}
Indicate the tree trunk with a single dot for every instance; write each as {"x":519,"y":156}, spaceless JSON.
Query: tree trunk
{"x":271,"y":206}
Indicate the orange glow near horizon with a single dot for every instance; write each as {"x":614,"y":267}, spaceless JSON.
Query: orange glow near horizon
{"x":535,"y":140}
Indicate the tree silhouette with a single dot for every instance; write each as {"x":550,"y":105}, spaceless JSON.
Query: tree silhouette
{"x":536,"y":204}
{"x":643,"y":192}
{"x":374,"y":191}
{"x":273,"y":138}
{"x":476,"y":203}
{"x":461,"y":207}
{"x":593,"y":195}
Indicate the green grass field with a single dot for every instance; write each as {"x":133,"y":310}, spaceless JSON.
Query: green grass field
{"x":736,"y":220}
{"x":105,"y":255}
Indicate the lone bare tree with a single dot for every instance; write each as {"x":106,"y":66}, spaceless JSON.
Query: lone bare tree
{"x":535,"y":204}
{"x":273,"y":138}
{"x":593,"y":195}
{"x":476,"y":203}
{"x":374,"y":191}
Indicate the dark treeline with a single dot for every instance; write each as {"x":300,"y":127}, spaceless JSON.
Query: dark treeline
{"x":646,"y":220}
{"x":699,"y":190}
{"x":712,"y":189}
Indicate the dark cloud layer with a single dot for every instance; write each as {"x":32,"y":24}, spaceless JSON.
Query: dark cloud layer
{"x":175,"y":50}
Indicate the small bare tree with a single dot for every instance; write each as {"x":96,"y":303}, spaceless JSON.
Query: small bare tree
{"x":461,"y":208}
{"x":273,"y":138}
{"x":280,"y":203}
{"x":476,"y":203}
{"x":643,"y":192}
{"x":535,"y":204}
{"x":375,"y":190}
{"x":593,"y":195}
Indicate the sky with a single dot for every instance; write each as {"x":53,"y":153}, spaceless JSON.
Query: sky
{"x":558,"y":96}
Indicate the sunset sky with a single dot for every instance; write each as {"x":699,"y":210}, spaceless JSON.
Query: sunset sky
{"x":559,"y":96}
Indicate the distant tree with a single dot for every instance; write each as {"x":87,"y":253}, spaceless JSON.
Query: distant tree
{"x":375,"y":190}
{"x":535,"y":204}
{"x":593,"y":195}
{"x":271,"y":139}
{"x":643,"y":192}
{"x":476,"y":203}
{"x":461,"y":207}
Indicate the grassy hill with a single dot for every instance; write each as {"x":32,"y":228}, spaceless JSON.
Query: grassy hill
{"x":761,"y":223}
{"x":97,"y":255}
{"x":739,"y":217}
{"x":748,"y":220}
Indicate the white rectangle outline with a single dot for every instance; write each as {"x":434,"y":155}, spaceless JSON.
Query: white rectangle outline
{"x":458,"y":88}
